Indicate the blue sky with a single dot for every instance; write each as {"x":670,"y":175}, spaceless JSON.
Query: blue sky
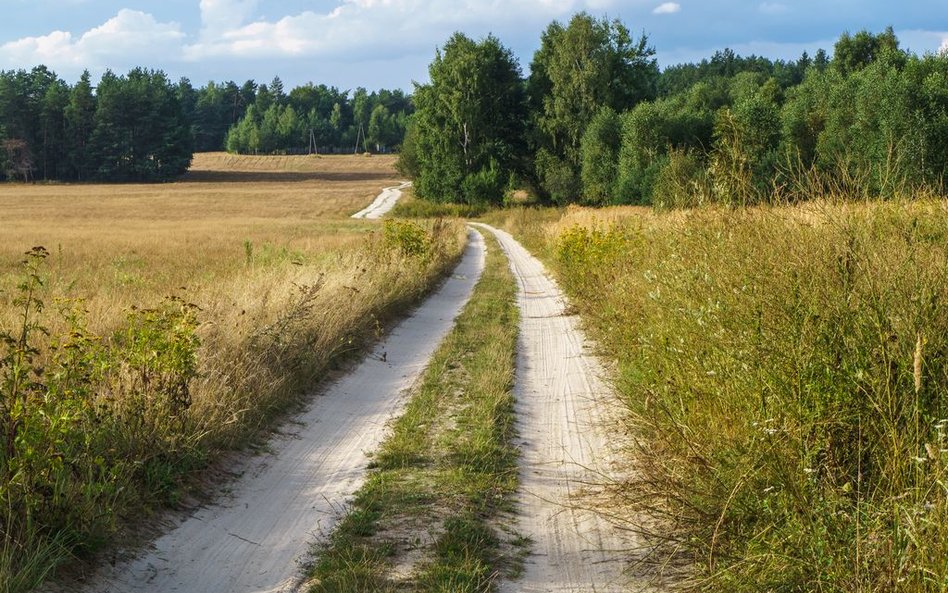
{"x":388,"y":43}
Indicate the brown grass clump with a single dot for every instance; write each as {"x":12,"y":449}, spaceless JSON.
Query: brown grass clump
{"x":165,"y":323}
{"x":786,"y":372}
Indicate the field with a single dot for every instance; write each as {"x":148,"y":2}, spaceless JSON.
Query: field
{"x":784,"y":370}
{"x":123,"y":241}
{"x":165,"y":323}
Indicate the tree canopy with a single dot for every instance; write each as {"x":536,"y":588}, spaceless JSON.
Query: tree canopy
{"x":468,"y":131}
{"x":131,"y":128}
{"x":579,"y":69}
{"x":143,"y":127}
{"x":604,"y":126}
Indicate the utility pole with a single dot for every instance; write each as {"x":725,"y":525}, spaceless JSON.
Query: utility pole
{"x":361,"y":135}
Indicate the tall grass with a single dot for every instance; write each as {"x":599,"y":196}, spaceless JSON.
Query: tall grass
{"x":95,"y":426}
{"x":411,"y":207}
{"x":786,"y":372}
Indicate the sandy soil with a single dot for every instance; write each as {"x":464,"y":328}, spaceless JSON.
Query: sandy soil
{"x":255,"y":539}
{"x":565,"y":413}
{"x":383,"y":203}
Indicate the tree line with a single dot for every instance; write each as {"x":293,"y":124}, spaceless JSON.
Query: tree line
{"x":321,"y":119}
{"x":597,"y":122}
{"x":129,"y":128}
{"x":144,"y":127}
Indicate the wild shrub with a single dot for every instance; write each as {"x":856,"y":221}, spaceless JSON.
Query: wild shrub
{"x":682,"y":182}
{"x":84,"y":417}
{"x":557,"y":177}
{"x":406,"y":237}
{"x":600,"y":155}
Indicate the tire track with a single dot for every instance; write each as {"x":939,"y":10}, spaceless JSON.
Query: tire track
{"x":384,"y":203}
{"x":564,"y":410}
{"x":255,"y":539}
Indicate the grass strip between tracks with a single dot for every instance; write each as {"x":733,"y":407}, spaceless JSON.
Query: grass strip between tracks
{"x":431,"y":516}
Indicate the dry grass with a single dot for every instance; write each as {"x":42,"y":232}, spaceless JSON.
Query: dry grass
{"x":284,"y":284}
{"x":139,"y":239}
{"x":118,"y":245}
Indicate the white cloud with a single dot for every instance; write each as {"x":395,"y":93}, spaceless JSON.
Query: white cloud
{"x":923,"y":41}
{"x":124,"y":40}
{"x":944,"y":46}
{"x":667,"y":8}
{"x":352,"y":30}
{"x":357,"y":29}
{"x":218,"y":16}
{"x":773,"y":8}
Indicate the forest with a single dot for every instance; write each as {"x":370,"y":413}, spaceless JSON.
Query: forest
{"x":608,"y":127}
{"x":143,"y":127}
{"x":596,"y":122}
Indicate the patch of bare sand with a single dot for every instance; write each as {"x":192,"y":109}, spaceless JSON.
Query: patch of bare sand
{"x":566,"y":415}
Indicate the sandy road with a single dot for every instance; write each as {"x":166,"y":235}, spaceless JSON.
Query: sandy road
{"x":253,"y":541}
{"x":564,"y":411}
{"x":384,"y":203}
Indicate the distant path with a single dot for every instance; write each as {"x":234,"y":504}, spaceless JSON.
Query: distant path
{"x":254,"y":540}
{"x":384,"y":203}
{"x":566,"y":416}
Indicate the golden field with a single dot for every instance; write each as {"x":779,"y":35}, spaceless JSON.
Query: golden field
{"x":116,"y":393}
{"x":119,"y":242}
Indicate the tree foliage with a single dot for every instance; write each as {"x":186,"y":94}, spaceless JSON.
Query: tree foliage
{"x":871,"y":122}
{"x":468,"y":131}
{"x":604,"y":126}
{"x":579,"y":69}
{"x":132,"y":128}
{"x":320,"y":118}
{"x":143,"y":127}
{"x":600,"y":155}
{"x":140,"y":131}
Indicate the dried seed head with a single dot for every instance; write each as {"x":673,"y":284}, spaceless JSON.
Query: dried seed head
{"x":919,"y":345}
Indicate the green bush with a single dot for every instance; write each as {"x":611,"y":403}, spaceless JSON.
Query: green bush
{"x":484,"y":187}
{"x":600,"y":157}
{"x":558,"y":178}
{"x":407,"y":238}
{"x":83,"y":422}
{"x":682,"y":182}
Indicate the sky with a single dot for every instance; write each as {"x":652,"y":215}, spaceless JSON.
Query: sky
{"x":389,"y":43}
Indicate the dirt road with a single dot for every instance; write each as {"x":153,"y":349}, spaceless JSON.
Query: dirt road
{"x":383,"y":203}
{"x":253,"y":541}
{"x":564,"y":412}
